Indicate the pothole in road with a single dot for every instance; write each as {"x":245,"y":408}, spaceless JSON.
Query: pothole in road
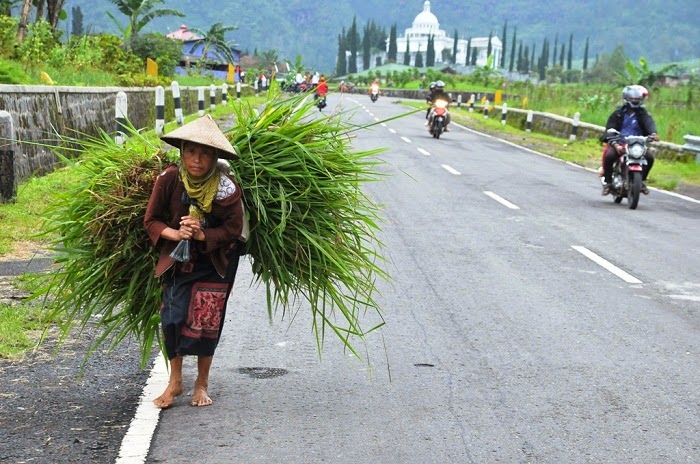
{"x":262,"y":372}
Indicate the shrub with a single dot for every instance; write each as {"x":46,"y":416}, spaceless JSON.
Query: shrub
{"x":164,"y":51}
{"x":8,"y":36}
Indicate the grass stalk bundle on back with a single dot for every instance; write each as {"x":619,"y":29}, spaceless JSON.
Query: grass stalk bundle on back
{"x":312,"y":228}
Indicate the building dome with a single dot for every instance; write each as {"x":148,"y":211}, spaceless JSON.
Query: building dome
{"x":425,"y":19}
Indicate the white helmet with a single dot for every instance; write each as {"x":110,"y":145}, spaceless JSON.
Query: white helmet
{"x":440,"y":85}
{"x":633,"y":96}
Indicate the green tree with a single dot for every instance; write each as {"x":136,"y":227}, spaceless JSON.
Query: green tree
{"x":341,"y":66}
{"x":76,"y":21}
{"x":512,"y":50}
{"x":489,"y":49}
{"x":353,"y":42}
{"x":569,"y":57}
{"x":140,"y":13}
{"x":419,"y":59}
{"x":164,"y":51}
{"x":366,"y":47}
{"x":430,"y":52}
{"x":214,"y":40}
{"x":585,"y":56}
{"x":467,"y":62}
{"x":454,"y":47}
{"x":407,"y":54}
{"x":393,"y":52}
{"x":505,"y":39}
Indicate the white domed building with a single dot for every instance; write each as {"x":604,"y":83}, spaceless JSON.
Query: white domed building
{"x":426,"y":24}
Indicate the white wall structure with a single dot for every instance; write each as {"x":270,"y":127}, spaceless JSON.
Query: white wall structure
{"x":426,"y":24}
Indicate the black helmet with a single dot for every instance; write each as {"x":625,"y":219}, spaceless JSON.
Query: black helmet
{"x":440,"y":85}
{"x":633,"y":96}
{"x":432,"y":85}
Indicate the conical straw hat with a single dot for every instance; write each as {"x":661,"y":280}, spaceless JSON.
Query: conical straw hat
{"x":204,"y":131}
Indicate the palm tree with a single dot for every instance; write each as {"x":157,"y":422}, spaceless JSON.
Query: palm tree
{"x":269,"y":59}
{"x":140,"y":13}
{"x":214,"y":39}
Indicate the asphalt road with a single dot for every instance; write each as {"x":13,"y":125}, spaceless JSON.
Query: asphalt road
{"x":529,"y":320}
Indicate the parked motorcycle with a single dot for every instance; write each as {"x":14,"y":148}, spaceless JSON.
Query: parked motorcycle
{"x":439,"y":118}
{"x":627,"y":170}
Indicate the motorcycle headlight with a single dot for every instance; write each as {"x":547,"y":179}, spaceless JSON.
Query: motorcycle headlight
{"x":636,"y":151}
{"x":441,"y":104}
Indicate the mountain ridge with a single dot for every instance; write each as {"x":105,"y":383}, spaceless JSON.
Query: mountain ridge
{"x":659,"y":31}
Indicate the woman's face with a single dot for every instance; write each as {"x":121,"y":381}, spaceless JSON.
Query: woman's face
{"x":198,"y":159}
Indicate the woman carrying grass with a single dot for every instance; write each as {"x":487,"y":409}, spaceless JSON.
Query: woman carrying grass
{"x":195,"y":219}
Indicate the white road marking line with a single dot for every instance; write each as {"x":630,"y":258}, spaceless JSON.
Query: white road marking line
{"x":406,"y":139}
{"x":451,"y":170}
{"x":501,"y":200}
{"x":607,"y":265}
{"x":392,"y":131}
{"x":423,"y":152}
{"x":376,"y":119}
{"x":383,"y":124}
{"x":137,"y":441}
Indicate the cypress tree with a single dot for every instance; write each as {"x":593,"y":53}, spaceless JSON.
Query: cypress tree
{"x":488,"y":49}
{"x":341,"y":67}
{"x":512,"y":50}
{"x":569,"y":57}
{"x":353,"y":39}
{"x":467,"y":62}
{"x":526,"y":60}
{"x":419,"y":59}
{"x":430,"y":52}
{"x":407,"y":54}
{"x":454,"y":48}
{"x":561,"y":56}
{"x":366,"y":47}
{"x":503,"y":52}
{"x":585,"y":56}
{"x":556,"y":47}
{"x":76,"y":21}
{"x":521,"y":63}
{"x":391,"y":55}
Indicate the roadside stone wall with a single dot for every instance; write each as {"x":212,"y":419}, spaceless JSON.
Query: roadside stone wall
{"x":39,"y":113}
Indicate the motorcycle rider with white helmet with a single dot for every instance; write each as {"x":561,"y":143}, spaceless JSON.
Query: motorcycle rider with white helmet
{"x":439,"y":94}
{"x":629,"y":119}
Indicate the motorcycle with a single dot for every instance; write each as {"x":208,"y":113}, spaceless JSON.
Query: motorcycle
{"x":439,"y":118}
{"x":320,"y":101}
{"x":373,"y":96}
{"x":627,"y":170}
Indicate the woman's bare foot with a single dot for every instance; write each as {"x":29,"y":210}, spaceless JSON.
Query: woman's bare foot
{"x":200,"y":397}
{"x":165,"y":400}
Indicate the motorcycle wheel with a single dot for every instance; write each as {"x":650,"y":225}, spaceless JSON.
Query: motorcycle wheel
{"x":634,"y":189}
{"x":438,"y":129}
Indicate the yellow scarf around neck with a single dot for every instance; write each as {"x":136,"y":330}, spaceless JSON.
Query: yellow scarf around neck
{"x":201,"y":190}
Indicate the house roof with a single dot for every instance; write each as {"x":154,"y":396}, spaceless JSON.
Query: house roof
{"x":182,"y":34}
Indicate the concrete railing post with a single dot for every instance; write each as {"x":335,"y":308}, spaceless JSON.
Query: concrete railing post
{"x":528,"y":126}
{"x":224,"y":94}
{"x":200,"y":96}
{"x":7,"y":157}
{"x":120,"y":116}
{"x":238,"y":91}
{"x":574,"y":126}
{"x":486,"y":109}
{"x":471,"y":103}
{"x":459,"y":100}
{"x":504,"y":112}
{"x":178,"y":103}
{"x":160,"y":110}
{"x":212,"y":97}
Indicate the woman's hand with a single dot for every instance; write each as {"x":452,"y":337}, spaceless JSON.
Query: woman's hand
{"x":190,"y":228}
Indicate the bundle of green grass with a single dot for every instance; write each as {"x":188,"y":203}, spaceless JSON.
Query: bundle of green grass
{"x":313,"y":231}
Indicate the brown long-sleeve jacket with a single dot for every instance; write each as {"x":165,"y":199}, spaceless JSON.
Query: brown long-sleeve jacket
{"x":165,"y":209}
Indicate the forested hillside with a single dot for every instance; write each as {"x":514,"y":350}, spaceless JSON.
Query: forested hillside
{"x":660,"y":31}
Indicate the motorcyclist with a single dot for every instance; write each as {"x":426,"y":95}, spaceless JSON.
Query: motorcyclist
{"x":374,"y":87}
{"x":429,"y":101}
{"x":322,"y":87}
{"x":439,"y":94}
{"x":629,"y":119}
